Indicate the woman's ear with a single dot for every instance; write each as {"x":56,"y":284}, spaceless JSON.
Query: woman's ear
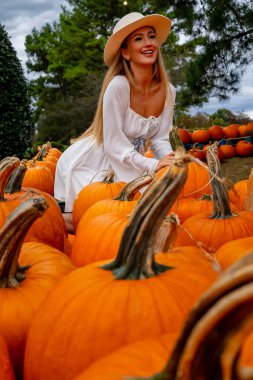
{"x":124,"y":53}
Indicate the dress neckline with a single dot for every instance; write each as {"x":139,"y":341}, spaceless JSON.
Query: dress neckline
{"x":143,"y":117}
{"x":136,"y":113}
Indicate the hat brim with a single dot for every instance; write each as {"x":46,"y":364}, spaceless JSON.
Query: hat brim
{"x":161,"y":24}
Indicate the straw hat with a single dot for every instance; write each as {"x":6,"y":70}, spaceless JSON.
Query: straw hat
{"x":130,"y":22}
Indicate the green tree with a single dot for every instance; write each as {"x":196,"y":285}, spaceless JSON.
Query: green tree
{"x":206,"y":53}
{"x":16,"y":126}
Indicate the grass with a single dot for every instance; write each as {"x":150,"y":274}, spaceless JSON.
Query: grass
{"x":237,"y":168}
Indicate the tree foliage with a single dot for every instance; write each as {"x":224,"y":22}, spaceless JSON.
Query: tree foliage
{"x":207,"y":51}
{"x":16,"y":127}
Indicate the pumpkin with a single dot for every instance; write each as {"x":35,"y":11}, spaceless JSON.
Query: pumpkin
{"x":142,"y":358}
{"x":231,"y":131}
{"x":196,"y":152}
{"x":122,"y":204}
{"x":219,"y":322}
{"x":216,"y":132}
{"x":98,"y":301}
{"x":50,"y":228}
{"x":238,"y":193}
{"x":244,"y":148}
{"x":39,"y":177}
{"x":27,"y":273}
{"x":6,"y":370}
{"x":227,"y":150}
{"x":232,"y":251}
{"x":197,"y":182}
{"x":245,"y":130}
{"x":185,"y":136}
{"x":201,"y":135}
{"x":222,"y":225}
{"x":94,"y":192}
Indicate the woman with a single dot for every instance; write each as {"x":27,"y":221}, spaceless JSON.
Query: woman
{"x":136,"y":103}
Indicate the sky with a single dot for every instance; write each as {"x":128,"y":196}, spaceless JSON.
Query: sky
{"x":20,"y":16}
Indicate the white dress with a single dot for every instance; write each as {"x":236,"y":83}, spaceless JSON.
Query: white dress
{"x":123,"y":134}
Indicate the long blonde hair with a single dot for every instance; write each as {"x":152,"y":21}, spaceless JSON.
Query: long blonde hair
{"x":120,"y":66}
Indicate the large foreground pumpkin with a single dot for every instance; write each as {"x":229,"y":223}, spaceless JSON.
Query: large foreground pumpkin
{"x":98,"y":309}
{"x":27,"y":273}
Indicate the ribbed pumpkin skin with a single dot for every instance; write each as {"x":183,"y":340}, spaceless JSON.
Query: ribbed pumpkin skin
{"x":197,"y":182}
{"x":98,"y":239}
{"x":187,"y":207}
{"x":246,"y":357}
{"x":91,"y":194}
{"x":48,"y":229}
{"x":39,"y":177}
{"x":237,"y":196}
{"x":6,"y":371}
{"x":18,"y":305}
{"x":107,"y":206}
{"x":233,"y":250}
{"x":90,"y":314}
{"x":143,"y":358}
{"x":213,"y":233}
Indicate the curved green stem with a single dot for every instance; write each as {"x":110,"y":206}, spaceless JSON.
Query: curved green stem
{"x":7,"y":165}
{"x":15,"y":182}
{"x":128,"y":192}
{"x":136,"y":251}
{"x":12,"y":236}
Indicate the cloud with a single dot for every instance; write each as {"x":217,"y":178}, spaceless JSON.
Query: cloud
{"x":240,"y":102}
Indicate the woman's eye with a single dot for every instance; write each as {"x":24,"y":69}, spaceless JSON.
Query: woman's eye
{"x":152,"y":36}
{"x":137,"y":38}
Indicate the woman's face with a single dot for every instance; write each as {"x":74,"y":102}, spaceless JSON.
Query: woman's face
{"x":141,"y":46}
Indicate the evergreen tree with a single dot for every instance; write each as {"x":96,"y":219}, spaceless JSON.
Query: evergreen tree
{"x":16,"y":126}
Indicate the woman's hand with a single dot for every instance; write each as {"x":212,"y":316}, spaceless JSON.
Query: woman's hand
{"x":167,"y":160}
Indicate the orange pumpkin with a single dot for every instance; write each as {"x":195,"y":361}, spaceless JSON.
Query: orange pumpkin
{"x":39,"y":177}
{"x":231,"y":131}
{"x":92,"y":193}
{"x":50,"y":228}
{"x":6,"y":370}
{"x":122,"y":204}
{"x":142,"y":358}
{"x":201,"y":135}
{"x":244,"y":148}
{"x":216,"y":132}
{"x":131,"y":291}
{"x":234,"y":250}
{"x":185,"y":136}
{"x":27,"y":273}
{"x":227,"y":150}
{"x":245,"y":130}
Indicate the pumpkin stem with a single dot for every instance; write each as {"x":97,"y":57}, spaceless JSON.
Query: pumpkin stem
{"x":221,"y":205}
{"x":15,"y":182}
{"x":135,"y":256}
{"x":219,"y":322}
{"x":109,"y":178}
{"x":167,"y":234}
{"x":175,"y":140}
{"x":7,"y":165}
{"x":130,"y":189}
{"x":11,"y":239}
{"x":42,"y":153}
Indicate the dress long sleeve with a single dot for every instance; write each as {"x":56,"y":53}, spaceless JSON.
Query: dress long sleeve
{"x":124,"y":159}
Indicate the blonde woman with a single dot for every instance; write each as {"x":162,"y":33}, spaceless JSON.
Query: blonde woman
{"x":136,"y":103}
